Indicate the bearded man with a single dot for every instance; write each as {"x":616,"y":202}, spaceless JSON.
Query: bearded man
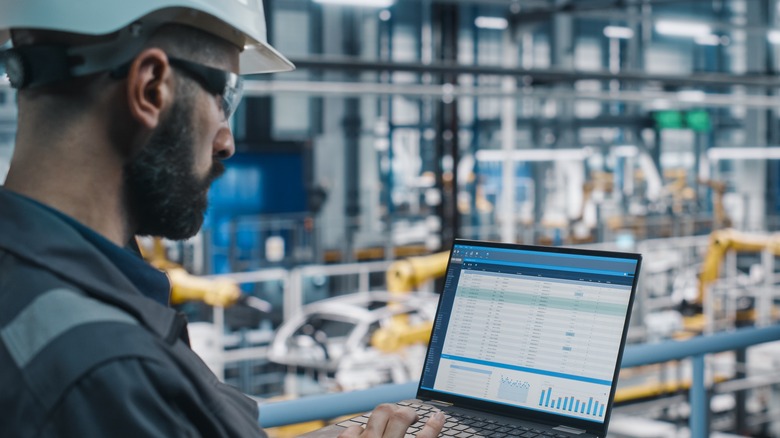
{"x":123,"y":124}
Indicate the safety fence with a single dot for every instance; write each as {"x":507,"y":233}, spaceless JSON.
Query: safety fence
{"x":327,"y":406}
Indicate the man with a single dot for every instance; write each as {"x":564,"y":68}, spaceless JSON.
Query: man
{"x":123,"y":122}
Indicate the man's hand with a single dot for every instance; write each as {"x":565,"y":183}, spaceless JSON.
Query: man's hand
{"x":391,"y":421}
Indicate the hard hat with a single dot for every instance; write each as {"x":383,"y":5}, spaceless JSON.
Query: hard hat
{"x":241,"y":22}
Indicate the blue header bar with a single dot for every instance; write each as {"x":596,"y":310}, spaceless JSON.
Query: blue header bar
{"x":560,"y":274}
{"x":528,"y":370}
{"x":552,"y":267}
{"x":545,"y":253}
{"x":614,"y":266}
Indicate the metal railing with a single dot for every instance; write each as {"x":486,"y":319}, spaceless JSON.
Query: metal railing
{"x":328,"y":406}
{"x":292,"y":281}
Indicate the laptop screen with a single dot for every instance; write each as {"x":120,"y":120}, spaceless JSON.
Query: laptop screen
{"x":532,"y":327}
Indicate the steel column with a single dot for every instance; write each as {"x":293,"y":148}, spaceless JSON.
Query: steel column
{"x":698,"y":421}
{"x":352,"y":124}
{"x":446,"y":24}
{"x":509,"y":140}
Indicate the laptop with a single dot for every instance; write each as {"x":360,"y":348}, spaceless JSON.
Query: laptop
{"x":527,"y":341}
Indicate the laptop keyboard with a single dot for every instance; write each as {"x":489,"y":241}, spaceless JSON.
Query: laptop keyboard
{"x":461,"y":426}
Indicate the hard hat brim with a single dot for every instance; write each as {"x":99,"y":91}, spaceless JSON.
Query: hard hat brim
{"x":234,"y":21}
{"x":263,"y":58}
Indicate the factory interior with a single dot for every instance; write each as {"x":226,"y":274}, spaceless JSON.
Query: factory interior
{"x":642,"y":126}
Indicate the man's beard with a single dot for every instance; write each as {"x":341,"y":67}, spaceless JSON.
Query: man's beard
{"x":165,"y":197}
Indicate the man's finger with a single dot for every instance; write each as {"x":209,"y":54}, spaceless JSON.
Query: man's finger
{"x":433,"y":427}
{"x":377,"y":422}
{"x":399,"y":421}
{"x":351,"y":432}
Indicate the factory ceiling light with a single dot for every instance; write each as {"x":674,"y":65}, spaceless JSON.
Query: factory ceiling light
{"x":773,"y":36}
{"x":692,"y":95}
{"x":682,"y":28}
{"x":708,"y":40}
{"x":497,"y":23}
{"x":743,"y":153}
{"x":534,"y":154}
{"x":362,"y":3}
{"x":620,"y":32}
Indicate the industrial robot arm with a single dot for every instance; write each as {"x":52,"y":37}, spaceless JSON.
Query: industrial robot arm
{"x":188,"y":287}
{"x":403,"y":277}
{"x":723,"y":241}
{"x":721,"y":218}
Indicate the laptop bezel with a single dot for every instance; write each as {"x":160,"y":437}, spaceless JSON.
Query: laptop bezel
{"x":524,"y":414}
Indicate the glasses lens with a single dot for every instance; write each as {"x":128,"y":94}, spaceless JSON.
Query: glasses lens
{"x":231,"y":97}
{"x":228,"y":85}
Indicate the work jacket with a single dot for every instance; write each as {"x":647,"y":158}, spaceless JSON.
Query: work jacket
{"x":84,"y":353}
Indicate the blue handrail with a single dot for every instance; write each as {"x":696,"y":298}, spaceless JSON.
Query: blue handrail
{"x":326,"y":406}
{"x":648,"y":354}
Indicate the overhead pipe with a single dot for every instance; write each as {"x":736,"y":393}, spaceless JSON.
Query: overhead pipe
{"x":533,"y":75}
{"x":662,"y":99}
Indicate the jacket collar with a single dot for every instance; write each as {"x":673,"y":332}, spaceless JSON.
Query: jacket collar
{"x":38,"y":236}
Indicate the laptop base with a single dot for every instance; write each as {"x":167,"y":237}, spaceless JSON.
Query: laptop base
{"x":461,"y":423}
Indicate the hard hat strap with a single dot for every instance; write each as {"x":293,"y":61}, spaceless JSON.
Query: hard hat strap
{"x":38,"y":65}
{"x":31,"y":66}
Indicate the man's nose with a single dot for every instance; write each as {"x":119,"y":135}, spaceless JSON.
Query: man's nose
{"x":224,"y":144}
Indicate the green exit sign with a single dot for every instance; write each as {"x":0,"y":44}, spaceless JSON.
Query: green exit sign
{"x":668,"y":119}
{"x":696,"y":120}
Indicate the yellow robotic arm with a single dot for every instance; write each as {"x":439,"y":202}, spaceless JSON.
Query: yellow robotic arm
{"x":723,"y":241}
{"x":403,"y":277}
{"x":721,"y":219}
{"x":188,"y":287}
{"x":214,"y":292}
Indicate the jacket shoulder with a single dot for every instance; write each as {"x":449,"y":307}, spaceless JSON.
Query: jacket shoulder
{"x":61,"y":349}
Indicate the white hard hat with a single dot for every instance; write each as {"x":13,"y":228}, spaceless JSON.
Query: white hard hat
{"x":239,"y":21}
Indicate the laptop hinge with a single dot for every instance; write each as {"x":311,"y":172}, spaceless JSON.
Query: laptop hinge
{"x":439,"y":403}
{"x":568,"y":429}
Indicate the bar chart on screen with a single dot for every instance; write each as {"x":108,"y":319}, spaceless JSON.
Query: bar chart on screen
{"x":567,"y":402}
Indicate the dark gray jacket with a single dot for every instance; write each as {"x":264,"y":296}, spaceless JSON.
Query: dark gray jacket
{"x":84,"y":353}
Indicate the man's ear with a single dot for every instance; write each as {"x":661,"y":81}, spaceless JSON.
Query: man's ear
{"x":149,"y":87}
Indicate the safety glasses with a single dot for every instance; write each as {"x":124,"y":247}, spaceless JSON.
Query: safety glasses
{"x":227,"y":85}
